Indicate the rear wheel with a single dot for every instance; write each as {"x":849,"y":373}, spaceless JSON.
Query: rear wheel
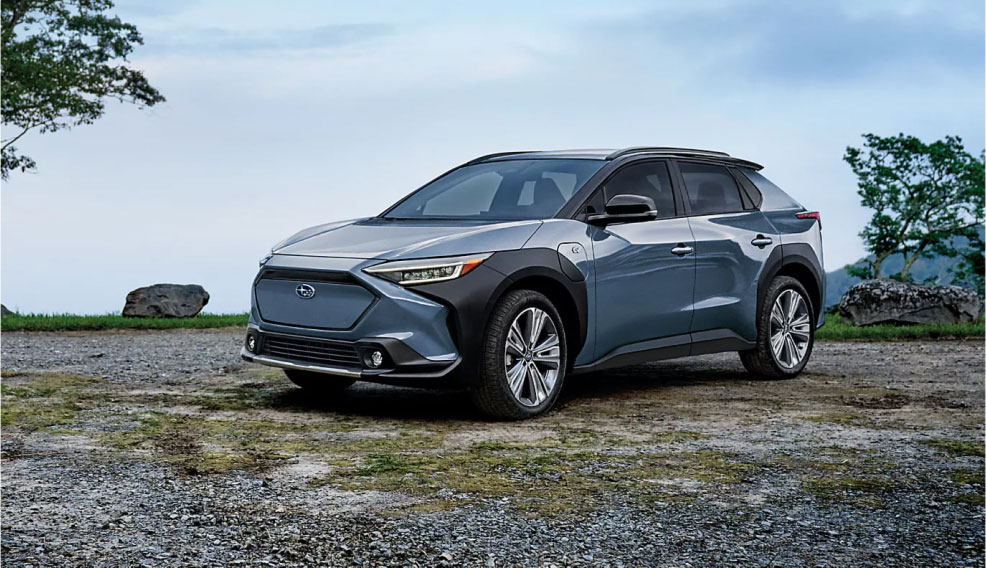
{"x":785,"y":332}
{"x":318,"y":382}
{"x":524,"y":357}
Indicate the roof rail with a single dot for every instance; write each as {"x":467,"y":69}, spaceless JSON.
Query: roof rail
{"x":495,"y":155}
{"x":665,"y":150}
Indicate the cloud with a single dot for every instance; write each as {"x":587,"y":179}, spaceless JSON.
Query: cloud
{"x":218,"y":41}
{"x":810,"y":42}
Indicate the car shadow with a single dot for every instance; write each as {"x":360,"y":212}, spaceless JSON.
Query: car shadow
{"x":404,"y":403}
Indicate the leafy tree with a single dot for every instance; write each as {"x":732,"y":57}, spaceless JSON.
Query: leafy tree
{"x":971,"y":272}
{"x":923,"y":196}
{"x":61,"y":60}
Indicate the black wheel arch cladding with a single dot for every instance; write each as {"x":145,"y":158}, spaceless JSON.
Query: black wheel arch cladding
{"x":799,"y":261}
{"x":472,"y":297}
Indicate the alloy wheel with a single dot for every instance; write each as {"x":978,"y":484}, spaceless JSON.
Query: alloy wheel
{"x":790,"y":329}
{"x":532,"y":356}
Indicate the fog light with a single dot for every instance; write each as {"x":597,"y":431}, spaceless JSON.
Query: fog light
{"x":251,"y":343}
{"x":375,"y":359}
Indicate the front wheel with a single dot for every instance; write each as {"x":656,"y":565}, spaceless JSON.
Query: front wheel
{"x":524,"y":358}
{"x":785,"y":332}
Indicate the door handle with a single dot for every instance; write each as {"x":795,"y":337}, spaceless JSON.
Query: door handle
{"x":681,"y":249}
{"x":762,"y":241}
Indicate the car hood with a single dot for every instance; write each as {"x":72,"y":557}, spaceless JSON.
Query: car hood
{"x":393,"y":239}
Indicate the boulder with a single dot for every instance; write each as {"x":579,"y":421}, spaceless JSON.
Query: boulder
{"x":166,"y":301}
{"x":4,"y":311}
{"x":889,"y":301}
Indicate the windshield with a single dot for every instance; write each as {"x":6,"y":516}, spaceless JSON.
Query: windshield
{"x":501,"y":190}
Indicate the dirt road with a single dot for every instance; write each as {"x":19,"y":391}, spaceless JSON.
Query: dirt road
{"x":161,"y":448}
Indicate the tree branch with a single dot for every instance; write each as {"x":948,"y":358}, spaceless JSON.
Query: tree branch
{"x":16,"y":138}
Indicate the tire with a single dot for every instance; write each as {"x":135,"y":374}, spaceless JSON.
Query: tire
{"x":537,"y":375}
{"x":318,"y":382}
{"x":764,"y":361}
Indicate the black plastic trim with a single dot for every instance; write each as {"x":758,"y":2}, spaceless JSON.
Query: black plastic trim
{"x":751,"y":190}
{"x":472,"y":297}
{"x":792,"y":254}
{"x":683,"y":345}
{"x":333,"y":277}
{"x":402,"y":364}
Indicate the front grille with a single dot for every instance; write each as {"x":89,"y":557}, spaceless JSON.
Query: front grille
{"x":318,"y":351}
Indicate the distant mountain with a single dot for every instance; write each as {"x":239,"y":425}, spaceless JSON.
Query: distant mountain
{"x":935,"y":268}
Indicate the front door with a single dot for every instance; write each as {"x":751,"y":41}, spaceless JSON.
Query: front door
{"x":645,"y":271}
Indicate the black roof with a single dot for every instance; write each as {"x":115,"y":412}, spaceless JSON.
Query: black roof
{"x":610,"y":154}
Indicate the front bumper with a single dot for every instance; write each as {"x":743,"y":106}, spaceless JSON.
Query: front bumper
{"x":348,"y":316}
{"x":401,"y":364}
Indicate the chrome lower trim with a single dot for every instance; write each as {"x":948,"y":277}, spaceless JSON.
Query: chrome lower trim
{"x":284,"y":364}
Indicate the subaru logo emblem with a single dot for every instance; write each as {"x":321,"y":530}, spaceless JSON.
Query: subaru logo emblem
{"x":305,"y":291}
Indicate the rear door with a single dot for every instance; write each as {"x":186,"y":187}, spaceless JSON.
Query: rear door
{"x":645,"y":271}
{"x":732,"y":242}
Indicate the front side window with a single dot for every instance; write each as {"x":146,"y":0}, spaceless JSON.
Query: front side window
{"x":499,"y":190}
{"x":711,"y":189}
{"x":648,"y":179}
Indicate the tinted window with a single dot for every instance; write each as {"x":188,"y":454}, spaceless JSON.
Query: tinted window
{"x":649,"y":179}
{"x":508,"y":189}
{"x":773,"y":196}
{"x":711,"y":189}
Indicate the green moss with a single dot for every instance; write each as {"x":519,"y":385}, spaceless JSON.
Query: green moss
{"x":859,"y":491}
{"x":969,"y":498}
{"x":969,"y":477}
{"x":497,"y":447}
{"x":233,"y":444}
{"x":957,"y":447}
{"x":676,"y":436}
{"x":379,"y":464}
{"x":45,"y":400}
{"x":402,"y":442}
{"x":537,"y":479}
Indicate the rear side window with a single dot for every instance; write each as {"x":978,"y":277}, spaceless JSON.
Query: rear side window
{"x":647,"y":179}
{"x":711,"y":189}
{"x":773,"y":196}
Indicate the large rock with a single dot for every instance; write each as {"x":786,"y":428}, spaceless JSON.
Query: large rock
{"x":890,"y":301}
{"x":4,"y":311}
{"x":166,"y":301}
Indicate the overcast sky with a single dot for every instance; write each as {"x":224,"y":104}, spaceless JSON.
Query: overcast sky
{"x":289,"y":114}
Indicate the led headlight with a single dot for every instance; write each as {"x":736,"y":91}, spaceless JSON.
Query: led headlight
{"x":265,"y":258}
{"x":428,"y":270}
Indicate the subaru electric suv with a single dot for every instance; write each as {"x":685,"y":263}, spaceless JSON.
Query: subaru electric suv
{"x":512,"y":271}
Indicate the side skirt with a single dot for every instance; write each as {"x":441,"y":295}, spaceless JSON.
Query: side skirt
{"x":684,"y":345}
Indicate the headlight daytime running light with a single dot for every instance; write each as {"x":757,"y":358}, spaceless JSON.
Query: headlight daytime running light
{"x":426,"y":271}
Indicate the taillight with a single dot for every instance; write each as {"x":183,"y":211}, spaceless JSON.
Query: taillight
{"x":811,"y":215}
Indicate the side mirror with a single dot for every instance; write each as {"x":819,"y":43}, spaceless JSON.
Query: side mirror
{"x":625,"y":209}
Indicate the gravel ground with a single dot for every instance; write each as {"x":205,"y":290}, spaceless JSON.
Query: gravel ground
{"x":163,"y":448}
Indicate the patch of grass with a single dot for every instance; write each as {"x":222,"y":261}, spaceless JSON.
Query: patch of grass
{"x":70,"y":322}
{"x":43,"y":401}
{"x":539,"y":480}
{"x":850,"y":489}
{"x":969,"y":477}
{"x":182,"y":441}
{"x":401,"y":443}
{"x":378,"y":464}
{"x":838,"y":329}
{"x":969,"y":498}
{"x":957,"y":447}
{"x":676,"y":436}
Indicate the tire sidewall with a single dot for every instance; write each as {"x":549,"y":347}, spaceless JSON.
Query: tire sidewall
{"x":780,"y":285}
{"x":493,"y":361}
